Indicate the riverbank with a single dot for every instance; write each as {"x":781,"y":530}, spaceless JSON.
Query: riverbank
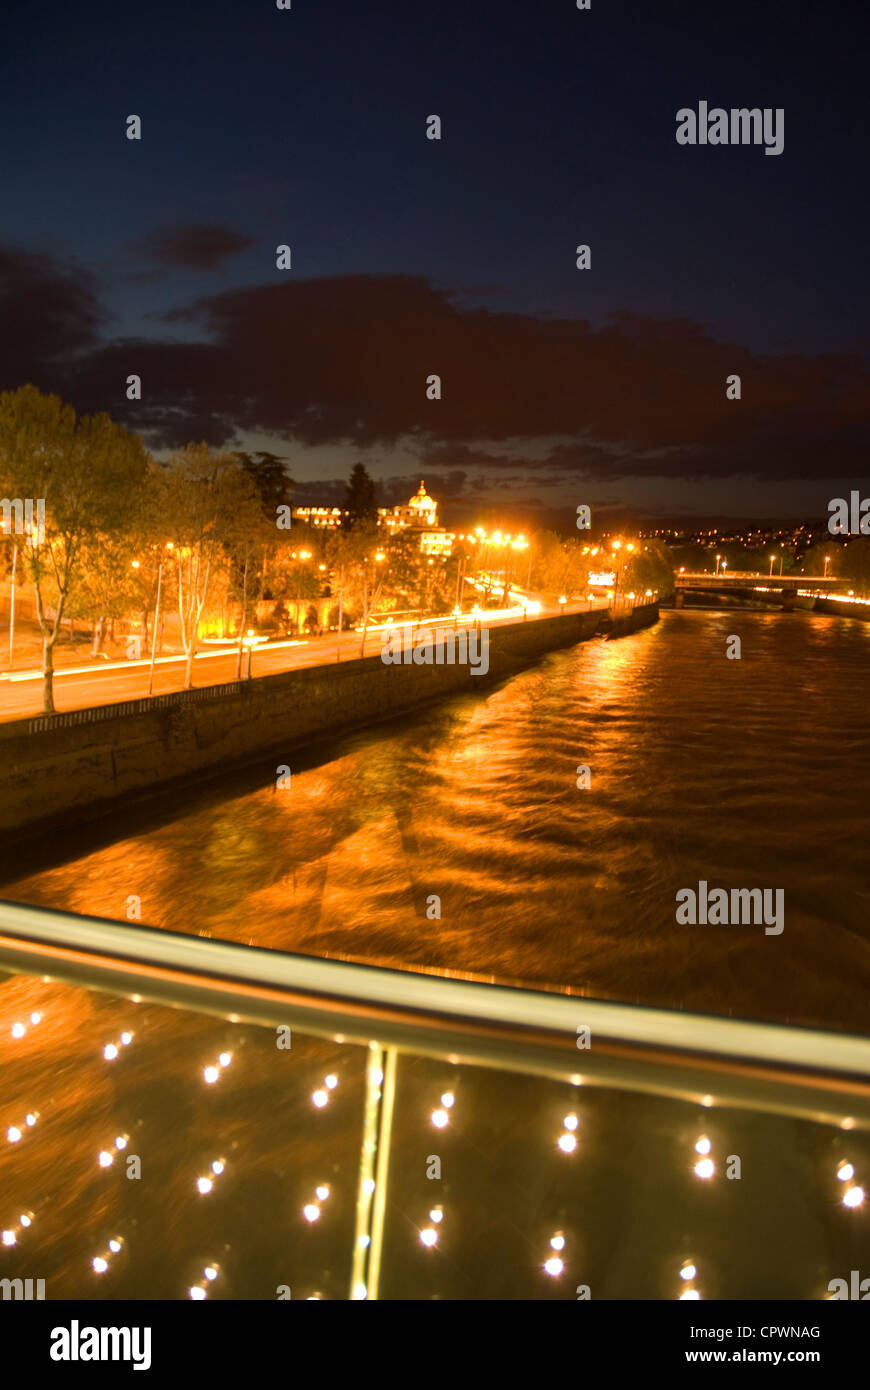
{"x":80,"y":763}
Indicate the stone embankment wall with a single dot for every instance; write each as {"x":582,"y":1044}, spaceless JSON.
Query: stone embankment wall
{"x":74,"y":765}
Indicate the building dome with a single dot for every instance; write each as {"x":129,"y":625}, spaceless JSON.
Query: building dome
{"x":421,"y":501}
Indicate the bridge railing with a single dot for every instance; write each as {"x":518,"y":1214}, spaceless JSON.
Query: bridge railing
{"x":345,"y":1130}
{"x":759,"y":576}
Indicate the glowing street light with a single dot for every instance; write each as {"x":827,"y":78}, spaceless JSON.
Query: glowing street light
{"x":250,"y":641}
{"x":718,"y":558}
{"x":827,"y":562}
{"x":136,"y":565}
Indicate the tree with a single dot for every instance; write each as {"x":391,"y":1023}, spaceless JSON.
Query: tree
{"x":106,"y":587}
{"x":372,"y":566}
{"x":352,"y":557}
{"x":649,"y":567}
{"x":245,"y":538}
{"x":559,"y":567}
{"x":271,"y":479}
{"x":360,"y":500}
{"x":89,"y":473}
{"x":118,"y":573}
{"x":849,"y":561}
{"x":208,"y":500}
{"x":404,"y":573}
{"x":297,"y":568}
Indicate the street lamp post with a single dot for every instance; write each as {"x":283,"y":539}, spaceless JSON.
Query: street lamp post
{"x":614,"y":560}
{"x":718,"y":558}
{"x":772,"y":558}
{"x":12,"y":602}
{"x":629,"y":548}
{"x":154,"y":630}
{"x":827,"y":562}
{"x":250,"y":641}
{"x":340,"y":611}
{"x":460,"y":581}
{"x":379,"y":558}
{"x":7,"y":531}
{"x":303,"y":556}
{"x":137,"y":565}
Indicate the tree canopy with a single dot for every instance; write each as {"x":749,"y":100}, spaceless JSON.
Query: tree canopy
{"x":360,"y":499}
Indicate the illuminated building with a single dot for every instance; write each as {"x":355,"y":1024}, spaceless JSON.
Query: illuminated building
{"x":419,"y":518}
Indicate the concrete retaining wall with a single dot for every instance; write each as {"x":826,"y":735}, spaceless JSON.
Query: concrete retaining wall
{"x":77,"y":764}
{"x":842,"y":609}
{"x":623,"y":622}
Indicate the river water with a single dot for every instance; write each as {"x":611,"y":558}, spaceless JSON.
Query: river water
{"x":742,"y":773}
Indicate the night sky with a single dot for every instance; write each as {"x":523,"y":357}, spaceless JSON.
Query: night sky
{"x":308,"y":127}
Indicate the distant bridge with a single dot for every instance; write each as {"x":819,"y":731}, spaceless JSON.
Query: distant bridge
{"x":747,"y":584}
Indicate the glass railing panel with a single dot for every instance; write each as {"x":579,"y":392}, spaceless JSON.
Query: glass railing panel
{"x":189,"y":1142}
{"x":552,"y":1191}
{"x":149,"y":1152}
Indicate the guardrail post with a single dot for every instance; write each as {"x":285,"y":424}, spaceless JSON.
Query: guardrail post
{"x":371,"y":1202}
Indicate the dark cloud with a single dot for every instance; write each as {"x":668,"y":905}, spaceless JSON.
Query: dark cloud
{"x":330,"y":492}
{"x":470,"y":457}
{"x":345,"y":360}
{"x":397,"y":490}
{"x":194,"y":245}
{"x":394,"y":491}
{"x":50,"y":315}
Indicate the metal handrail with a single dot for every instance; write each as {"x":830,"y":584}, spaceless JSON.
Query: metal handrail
{"x":709,"y":1060}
